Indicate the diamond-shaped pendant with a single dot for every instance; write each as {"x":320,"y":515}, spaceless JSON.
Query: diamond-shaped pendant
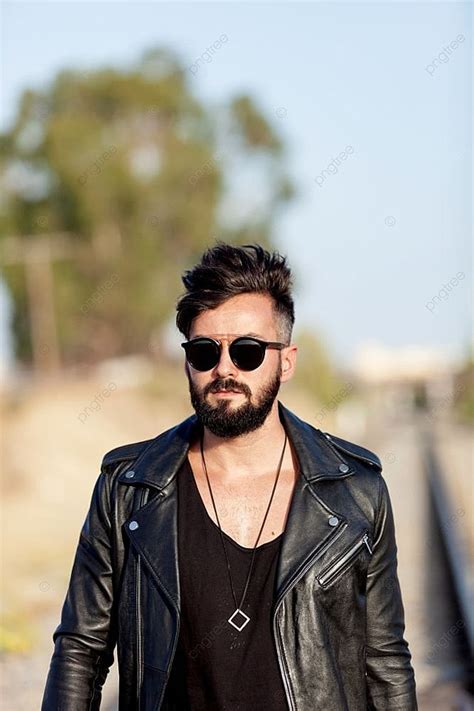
{"x":243,"y":615}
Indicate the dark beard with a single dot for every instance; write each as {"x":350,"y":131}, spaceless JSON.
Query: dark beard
{"x":225,"y":422}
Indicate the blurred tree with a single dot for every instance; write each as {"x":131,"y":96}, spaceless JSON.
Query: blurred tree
{"x":464,"y":389}
{"x":142,"y":176}
{"x":315,"y":373}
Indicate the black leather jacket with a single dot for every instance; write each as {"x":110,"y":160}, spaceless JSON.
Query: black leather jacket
{"x":338,"y":617}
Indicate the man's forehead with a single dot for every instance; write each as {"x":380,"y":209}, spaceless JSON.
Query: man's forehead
{"x":237,"y":318}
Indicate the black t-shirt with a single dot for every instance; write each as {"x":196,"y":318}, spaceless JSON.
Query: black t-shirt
{"x":217,"y":667}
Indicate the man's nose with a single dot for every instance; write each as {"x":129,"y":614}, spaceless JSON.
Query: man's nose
{"x":225,"y":367}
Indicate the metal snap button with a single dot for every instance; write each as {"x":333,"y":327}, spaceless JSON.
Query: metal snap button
{"x":133,"y":525}
{"x":130,"y":474}
{"x":343,"y":468}
{"x":333,"y":520}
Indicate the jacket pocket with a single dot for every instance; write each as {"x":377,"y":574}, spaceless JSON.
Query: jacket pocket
{"x":344,"y":561}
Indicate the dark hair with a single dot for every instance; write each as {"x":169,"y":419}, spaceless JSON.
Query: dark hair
{"x":226,"y":271}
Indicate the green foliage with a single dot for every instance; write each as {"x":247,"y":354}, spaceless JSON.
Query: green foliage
{"x":123,"y":161}
{"x":314,"y":372}
{"x":464,"y":391}
{"x":255,"y":131}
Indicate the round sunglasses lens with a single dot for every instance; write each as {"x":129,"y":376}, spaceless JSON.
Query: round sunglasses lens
{"x":202,"y":355}
{"x":247,"y":354}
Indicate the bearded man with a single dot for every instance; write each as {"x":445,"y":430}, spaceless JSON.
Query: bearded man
{"x":242,"y":559}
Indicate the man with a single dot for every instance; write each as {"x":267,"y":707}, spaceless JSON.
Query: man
{"x":273,"y":584}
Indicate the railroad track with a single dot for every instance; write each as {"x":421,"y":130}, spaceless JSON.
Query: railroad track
{"x":449,"y":593}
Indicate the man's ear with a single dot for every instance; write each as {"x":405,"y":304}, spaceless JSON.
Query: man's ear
{"x":288,"y":362}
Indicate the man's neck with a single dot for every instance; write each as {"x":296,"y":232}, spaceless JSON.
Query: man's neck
{"x":260,"y":448}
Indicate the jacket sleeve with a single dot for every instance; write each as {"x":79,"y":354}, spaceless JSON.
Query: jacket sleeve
{"x":85,"y":638}
{"x":389,"y":673}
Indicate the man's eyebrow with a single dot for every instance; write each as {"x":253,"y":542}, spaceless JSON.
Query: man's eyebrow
{"x":233,"y":335}
{"x":256,"y":335}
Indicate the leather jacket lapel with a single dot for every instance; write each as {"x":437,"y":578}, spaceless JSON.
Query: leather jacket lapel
{"x":313,"y":525}
{"x":156,"y":535}
{"x":307,"y":534}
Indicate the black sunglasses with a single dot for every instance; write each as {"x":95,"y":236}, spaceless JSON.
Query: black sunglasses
{"x":246,"y":352}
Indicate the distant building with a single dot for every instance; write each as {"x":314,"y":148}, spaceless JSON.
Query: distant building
{"x":407,"y":377}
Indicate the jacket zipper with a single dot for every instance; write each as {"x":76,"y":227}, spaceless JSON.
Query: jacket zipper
{"x":139,"y":637}
{"x":282,"y":664}
{"x":333,"y":570}
{"x":171,"y":659}
{"x":173,"y":651}
{"x":143,"y":498}
{"x":299,"y":574}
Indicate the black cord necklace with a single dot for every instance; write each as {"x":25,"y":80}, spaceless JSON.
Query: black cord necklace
{"x":238,"y":608}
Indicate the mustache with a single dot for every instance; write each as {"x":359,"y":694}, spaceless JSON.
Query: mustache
{"x":226,"y":385}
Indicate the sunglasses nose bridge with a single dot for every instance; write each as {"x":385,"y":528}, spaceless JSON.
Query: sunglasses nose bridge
{"x":225,"y":364}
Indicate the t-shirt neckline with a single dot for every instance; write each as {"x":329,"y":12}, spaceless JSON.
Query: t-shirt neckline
{"x":214,"y":524}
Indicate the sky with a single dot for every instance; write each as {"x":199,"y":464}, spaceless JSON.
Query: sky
{"x":380,"y":241}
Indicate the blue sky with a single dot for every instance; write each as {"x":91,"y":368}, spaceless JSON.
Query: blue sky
{"x":373,"y":243}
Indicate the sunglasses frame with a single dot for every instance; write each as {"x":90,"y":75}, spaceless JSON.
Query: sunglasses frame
{"x":264,"y":344}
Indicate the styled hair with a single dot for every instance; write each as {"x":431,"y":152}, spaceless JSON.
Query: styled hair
{"x":226,"y":271}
